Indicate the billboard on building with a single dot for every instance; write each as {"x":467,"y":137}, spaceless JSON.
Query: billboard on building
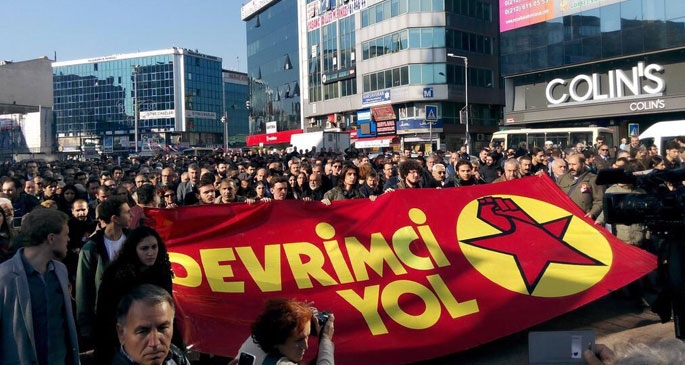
{"x":519,"y":13}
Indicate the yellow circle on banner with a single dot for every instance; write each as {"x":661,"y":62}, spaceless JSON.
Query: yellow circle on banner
{"x":496,"y":250}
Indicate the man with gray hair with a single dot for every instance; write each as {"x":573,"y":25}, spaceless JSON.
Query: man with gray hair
{"x":145,"y":325}
{"x":37,"y":325}
{"x":558,"y":168}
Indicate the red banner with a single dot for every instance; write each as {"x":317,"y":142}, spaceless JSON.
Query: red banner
{"x":271,"y":138}
{"x":417,"y":274}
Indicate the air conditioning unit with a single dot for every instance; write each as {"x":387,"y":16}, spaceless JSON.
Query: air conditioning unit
{"x":339,"y":119}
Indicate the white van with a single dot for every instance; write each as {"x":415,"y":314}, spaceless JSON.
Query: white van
{"x":660,"y":133}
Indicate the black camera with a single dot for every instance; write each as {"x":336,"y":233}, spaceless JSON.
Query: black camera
{"x":660,"y":209}
{"x":321,"y":318}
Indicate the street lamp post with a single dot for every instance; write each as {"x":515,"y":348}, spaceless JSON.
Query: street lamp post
{"x":466,"y":98}
{"x":136,"y":105}
{"x":224,"y":120}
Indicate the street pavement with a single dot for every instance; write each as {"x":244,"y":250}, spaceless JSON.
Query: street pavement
{"x":615,"y":320}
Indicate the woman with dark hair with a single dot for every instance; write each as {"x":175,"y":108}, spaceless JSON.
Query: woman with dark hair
{"x":292,"y":193}
{"x":66,"y":198}
{"x":259,"y":191}
{"x":282,"y":331}
{"x":143,"y":259}
{"x":348,"y":186}
{"x":302,"y":184}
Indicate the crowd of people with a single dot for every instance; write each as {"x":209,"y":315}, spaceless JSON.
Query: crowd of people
{"x":77,"y":228}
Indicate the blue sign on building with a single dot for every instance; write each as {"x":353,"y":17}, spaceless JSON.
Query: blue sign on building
{"x":376,"y":97}
{"x":427,"y":92}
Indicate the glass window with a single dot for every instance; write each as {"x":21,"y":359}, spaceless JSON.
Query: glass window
{"x":373,"y":81}
{"x":395,"y":8}
{"x":414,"y":6}
{"x":414,"y":74}
{"x":404,"y":39}
{"x":438,"y":37}
{"x":487,"y":12}
{"x":674,"y":9}
{"x":404,"y":75}
{"x":395,"y":43}
{"x":427,"y":74}
{"x":610,"y":18}
{"x":388,"y":78}
{"x":396,"y":77}
{"x":414,"y":38}
{"x":654,"y":10}
{"x":426,"y":37}
{"x":386,"y":9}
{"x":440,"y":73}
{"x":387,"y":45}
{"x":403,"y":6}
{"x":379,"y":13}
{"x":631,"y":13}
{"x":655,"y":35}
{"x":381,"y":79}
{"x":438,"y":5}
{"x":426,"y":5}
{"x":365,"y":18}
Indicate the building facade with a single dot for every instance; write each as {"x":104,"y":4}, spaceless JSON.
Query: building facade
{"x":26,"y":117}
{"x":236,"y":96}
{"x":272,"y":66}
{"x":168,"y":98}
{"x":611,"y":63}
{"x":375,"y":67}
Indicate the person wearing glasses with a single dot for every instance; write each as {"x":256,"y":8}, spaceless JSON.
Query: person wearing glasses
{"x":603,"y":159}
{"x":169,"y":198}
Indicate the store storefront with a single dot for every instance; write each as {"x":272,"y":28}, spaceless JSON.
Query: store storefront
{"x":643,"y":89}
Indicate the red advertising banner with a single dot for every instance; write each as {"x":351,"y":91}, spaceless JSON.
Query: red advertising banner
{"x":414,"y":275}
{"x":271,"y":138}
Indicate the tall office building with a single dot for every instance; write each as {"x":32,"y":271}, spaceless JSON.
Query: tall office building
{"x":614,"y":63}
{"x":273,"y":70}
{"x":173,"y":95}
{"x":374,"y":67}
{"x":236,"y":96}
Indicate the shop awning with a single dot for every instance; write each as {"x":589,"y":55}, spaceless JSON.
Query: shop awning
{"x":383,"y":112}
{"x":377,"y":142}
{"x":271,"y":138}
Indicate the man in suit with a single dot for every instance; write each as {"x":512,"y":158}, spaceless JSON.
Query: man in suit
{"x":603,"y":159}
{"x":185,"y":193}
{"x":36,"y":321}
{"x":581,"y":186}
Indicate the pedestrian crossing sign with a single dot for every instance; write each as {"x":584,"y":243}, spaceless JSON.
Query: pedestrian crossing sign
{"x":431,"y":113}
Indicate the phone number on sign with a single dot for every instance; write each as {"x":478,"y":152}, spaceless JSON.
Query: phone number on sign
{"x":523,"y":7}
